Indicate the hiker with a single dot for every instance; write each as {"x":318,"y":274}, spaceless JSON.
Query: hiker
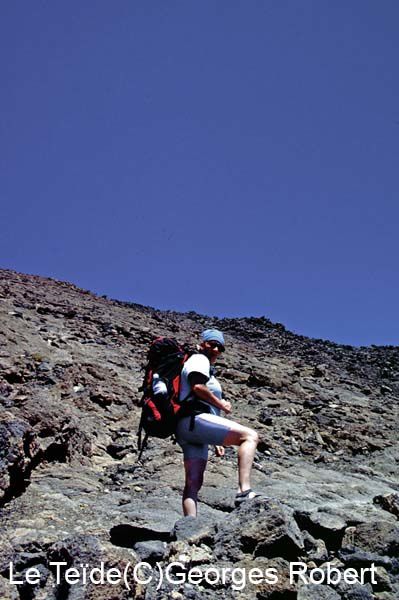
{"x":195,"y":432}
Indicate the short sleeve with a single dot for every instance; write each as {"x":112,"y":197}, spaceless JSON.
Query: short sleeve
{"x":198,"y":363}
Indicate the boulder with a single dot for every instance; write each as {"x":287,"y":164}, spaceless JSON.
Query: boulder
{"x":194,"y":530}
{"x":381,"y":537}
{"x":388,"y":502}
{"x":259,"y":527}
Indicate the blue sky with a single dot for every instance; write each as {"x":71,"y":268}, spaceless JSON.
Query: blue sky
{"x":232,"y":158}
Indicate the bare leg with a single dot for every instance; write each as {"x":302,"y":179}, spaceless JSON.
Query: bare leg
{"x":246,"y":439}
{"x":194,"y":468}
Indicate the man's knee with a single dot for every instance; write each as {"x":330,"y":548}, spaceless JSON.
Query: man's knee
{"x":252,"y":436}
{"x":244,"y":434}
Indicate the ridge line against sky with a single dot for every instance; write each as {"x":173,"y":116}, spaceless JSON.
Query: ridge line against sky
{"x":235,"y":159}
{"x":99,"y":294}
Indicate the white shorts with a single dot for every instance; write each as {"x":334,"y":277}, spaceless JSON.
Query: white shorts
{"x":208,"y":429}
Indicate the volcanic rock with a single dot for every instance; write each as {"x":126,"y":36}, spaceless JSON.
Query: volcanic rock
{"x":72,"y":489}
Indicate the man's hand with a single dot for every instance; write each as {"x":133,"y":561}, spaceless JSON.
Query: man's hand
{"x":219,"y":450}
{"x":226,"y":406}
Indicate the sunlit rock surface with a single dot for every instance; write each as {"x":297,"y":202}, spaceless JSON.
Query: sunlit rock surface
{"x":72,"y":491}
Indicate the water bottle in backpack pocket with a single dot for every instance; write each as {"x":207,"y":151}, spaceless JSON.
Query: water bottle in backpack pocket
{"x":161,"y":387}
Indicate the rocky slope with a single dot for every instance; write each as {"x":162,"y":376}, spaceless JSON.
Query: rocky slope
{"x":72,"y":491}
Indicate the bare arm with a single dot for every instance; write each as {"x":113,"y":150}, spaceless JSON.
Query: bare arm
{"x":198,"y":386}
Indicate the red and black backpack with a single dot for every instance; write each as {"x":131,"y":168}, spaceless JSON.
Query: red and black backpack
{"x":159,"y":413}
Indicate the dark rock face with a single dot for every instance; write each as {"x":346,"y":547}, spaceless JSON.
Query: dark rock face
{"x":18,"y":451}
{"x":390,"y":502}
{"x":72,"y":491}
{"x":260,"y":528}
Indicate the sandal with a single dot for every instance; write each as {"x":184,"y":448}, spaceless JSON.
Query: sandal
{"x":244,"y":496}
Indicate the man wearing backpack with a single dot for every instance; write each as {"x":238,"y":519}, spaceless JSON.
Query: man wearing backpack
{"x":202,"y":424}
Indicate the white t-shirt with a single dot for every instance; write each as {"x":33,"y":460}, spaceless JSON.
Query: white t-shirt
{"x":199,"y":363}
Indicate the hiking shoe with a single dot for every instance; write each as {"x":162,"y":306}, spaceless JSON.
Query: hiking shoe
{"x":242,"y":497}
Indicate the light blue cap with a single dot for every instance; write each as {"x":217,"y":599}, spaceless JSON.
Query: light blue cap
{"x":213,"y":335}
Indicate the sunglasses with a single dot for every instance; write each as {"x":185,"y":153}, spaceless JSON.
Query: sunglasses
{"x":216,"y":345}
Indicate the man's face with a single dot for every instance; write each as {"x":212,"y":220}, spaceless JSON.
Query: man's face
{"x":212,"y":349}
